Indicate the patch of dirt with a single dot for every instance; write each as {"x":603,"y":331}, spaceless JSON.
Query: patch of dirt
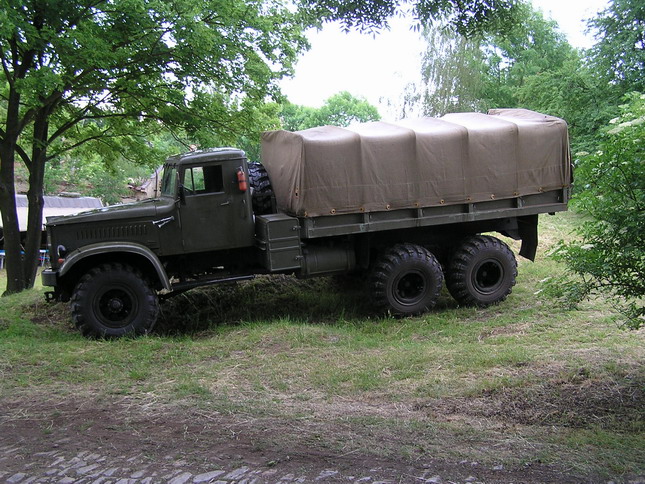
{"x":49,"y":315}
{"x":577,"y":402}
{"x":508,"y":330}
{"x":142,"y":431}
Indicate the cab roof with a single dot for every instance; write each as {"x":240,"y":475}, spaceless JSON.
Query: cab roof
{"x":210,"y":154}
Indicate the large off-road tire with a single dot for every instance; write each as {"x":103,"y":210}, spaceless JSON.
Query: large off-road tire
{"x":262,"y":198}
{"x":114,"y":300}
{"x":481,"y":272}
{"x":406,"y":280}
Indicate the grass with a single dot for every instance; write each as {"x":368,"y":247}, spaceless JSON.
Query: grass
{"x":516,"y":383}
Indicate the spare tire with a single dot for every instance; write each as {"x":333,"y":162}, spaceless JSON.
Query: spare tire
{"x":261,"y":189}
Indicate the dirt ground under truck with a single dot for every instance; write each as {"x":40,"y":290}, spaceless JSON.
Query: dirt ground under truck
{"x":408,"y":204}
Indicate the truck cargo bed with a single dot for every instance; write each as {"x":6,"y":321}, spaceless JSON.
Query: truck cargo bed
{"x":356,"y":223}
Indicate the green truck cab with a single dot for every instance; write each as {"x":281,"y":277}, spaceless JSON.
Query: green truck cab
{"x":201,"y":223}
{"x":326,"y":202}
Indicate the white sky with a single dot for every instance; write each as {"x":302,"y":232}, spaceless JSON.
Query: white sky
{"x":378,"y":67}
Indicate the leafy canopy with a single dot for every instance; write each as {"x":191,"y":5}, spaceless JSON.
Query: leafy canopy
{"x":105,"y":75}
{"x":488,"y":70}
{"x":619,"y":52}
{"x":341,"y":109}
{"x":138,"y":59}
{"x":468,"y":17}
{"x":531,"y":65}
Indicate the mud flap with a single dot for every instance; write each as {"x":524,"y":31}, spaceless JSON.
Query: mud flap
{"x":527,"y":227}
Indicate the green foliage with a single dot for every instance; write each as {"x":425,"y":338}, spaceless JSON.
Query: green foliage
{"x":609,"y":258}
{"x":574,"y":92}
{"x":102,"y":78}
{"x":488,"y":70}
{"x":530,"y":65}
{"x":131,"y":63}
{"x":619,"y":53}
{"x":451,"y":73}
{"x":341,"y":109}
{"x":91,"y":177}
{"x":295,"y":117}
{"x":532,"y":46}
{"x":468,"y":17}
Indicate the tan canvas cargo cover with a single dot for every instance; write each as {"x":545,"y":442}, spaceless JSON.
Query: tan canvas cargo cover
{"x":459,"y":158}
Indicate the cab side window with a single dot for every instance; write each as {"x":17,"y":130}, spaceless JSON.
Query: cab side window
{"x":204,"y":179}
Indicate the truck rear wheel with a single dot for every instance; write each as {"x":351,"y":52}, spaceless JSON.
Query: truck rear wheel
{"x":481,"y":272}
{"x":406,"y":280}
{"x":114,"y":300}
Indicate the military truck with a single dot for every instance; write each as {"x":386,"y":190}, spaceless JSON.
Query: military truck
{"x":408,"y":205}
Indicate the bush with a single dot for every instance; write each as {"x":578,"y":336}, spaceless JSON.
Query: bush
{"x":609,"y":257}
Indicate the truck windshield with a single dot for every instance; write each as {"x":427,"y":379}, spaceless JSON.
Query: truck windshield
{"x":169,"y":181}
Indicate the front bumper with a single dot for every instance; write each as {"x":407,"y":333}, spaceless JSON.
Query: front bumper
{"x":50,"y":277}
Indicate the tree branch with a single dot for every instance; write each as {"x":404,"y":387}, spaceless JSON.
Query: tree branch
{"x":24,"y":156}
{"x":5,"y":68}
{"x":97,"y":137}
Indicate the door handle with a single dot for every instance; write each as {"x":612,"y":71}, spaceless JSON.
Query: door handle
{"x":227,"y":202}
{"x":163,"y":221}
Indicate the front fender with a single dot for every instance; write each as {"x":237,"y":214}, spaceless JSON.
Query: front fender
{"x":110,"y":248}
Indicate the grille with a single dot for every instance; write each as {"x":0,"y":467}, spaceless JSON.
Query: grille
{"x":114,"y":232}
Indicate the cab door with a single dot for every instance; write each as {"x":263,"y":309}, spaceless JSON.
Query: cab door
{"x":214,"y":212}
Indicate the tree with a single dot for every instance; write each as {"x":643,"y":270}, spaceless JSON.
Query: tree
{"x":609,"y":257}
{"x":479,"y":72}
{"x":451,"y":74}
{"x":341,"y":109}
{"x":101,"y":74}
{"x":530,"y":65}
{"x":619,"y":52}
{"x":533,"y":46}
{"x":294,"y":117}
{"x":574,"y":92}
{"x":467,"y":17}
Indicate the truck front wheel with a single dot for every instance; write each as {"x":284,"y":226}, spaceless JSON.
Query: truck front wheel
{"x":406,"y":280}
{"x":481,"y":272}
{"x":114,"y":300}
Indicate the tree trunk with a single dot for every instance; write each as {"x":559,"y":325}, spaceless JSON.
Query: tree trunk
{"x":35,"y":198}
{"x":12,"y":248}
{"x":10,"y":226}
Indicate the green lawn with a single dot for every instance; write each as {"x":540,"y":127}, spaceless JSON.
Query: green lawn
{"x":525,"y":381}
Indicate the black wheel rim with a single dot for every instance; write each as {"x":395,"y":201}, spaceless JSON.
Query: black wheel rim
{"x":116,"y":307}
{"x":409,"y":288}
{"x":488,"y":276}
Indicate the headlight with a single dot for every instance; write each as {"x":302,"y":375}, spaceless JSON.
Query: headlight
{"x":61,"y":251}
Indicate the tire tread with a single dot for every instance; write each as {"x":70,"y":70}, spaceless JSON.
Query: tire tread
{"x":81,"y":296}
{"x":456,"y":279}
{"x":388,"y":263}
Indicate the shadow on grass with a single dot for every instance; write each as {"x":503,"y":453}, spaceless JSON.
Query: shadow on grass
{"x":320,"y":300}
